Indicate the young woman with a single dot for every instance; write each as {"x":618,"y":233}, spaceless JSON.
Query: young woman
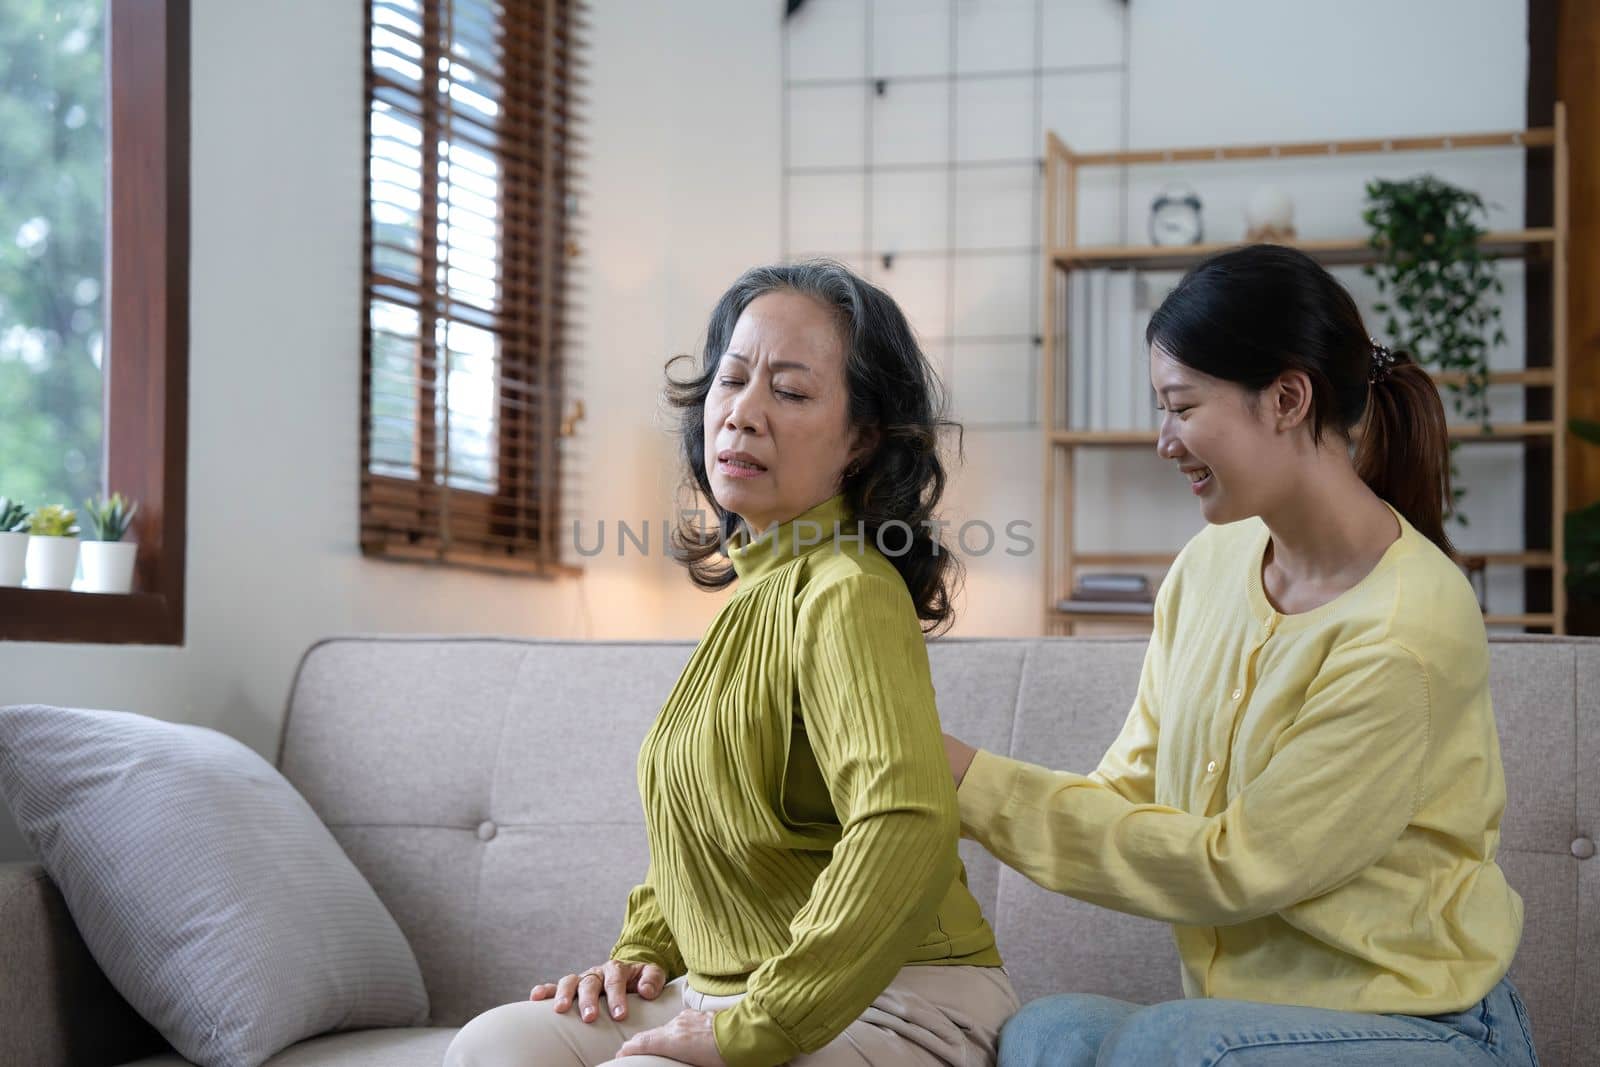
{"x":804,"y":902}
{"x":1308,"y":787}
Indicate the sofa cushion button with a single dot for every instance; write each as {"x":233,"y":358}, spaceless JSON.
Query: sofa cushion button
{"x":486,"y":830}
{"x":1583,"y":848}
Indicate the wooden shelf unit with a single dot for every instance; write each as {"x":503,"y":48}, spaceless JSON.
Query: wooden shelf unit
{"x":1510,"y":432}
{"x":1526,"y":244}
{"x":1063,"y":254}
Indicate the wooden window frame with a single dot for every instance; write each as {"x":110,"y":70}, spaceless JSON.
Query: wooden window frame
{"x":421,"y":518}
{"x":146,"y":398}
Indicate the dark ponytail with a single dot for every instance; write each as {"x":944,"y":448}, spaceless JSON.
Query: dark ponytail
{"x":1403,"y":451}
{"x":1250,"y":314}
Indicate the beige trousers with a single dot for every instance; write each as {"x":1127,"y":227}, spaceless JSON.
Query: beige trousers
{"x":929,"y":1016}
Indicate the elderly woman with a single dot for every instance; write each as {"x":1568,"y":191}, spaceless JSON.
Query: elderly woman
{"x":805,"y":901}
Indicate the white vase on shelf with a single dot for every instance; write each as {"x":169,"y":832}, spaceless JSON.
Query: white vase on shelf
{"x":108,"y":566}
{"x":52,"y":561}
{"x":13,"y":557}
{"x":1269,"y":215}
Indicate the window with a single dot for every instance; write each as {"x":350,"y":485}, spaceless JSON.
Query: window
{"x":52,"y":250}
{"x":470,"y":109}
{"x":123,"y":428}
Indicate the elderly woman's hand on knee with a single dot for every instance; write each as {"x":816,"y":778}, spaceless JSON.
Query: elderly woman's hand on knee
{"x":615,"y":979}
{"x":690,"y":1038}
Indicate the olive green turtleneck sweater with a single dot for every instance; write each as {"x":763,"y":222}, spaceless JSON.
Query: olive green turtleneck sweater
{"x":802,"y":818}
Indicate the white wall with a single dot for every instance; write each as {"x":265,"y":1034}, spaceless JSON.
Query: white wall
{"x":683,"y":192}
{"x":1249,"y":71}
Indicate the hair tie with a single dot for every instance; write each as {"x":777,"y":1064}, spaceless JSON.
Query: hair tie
{"x":1382,"y":364}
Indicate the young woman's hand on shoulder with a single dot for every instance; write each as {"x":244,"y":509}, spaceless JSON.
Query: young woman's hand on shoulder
{"x":960,"y":754}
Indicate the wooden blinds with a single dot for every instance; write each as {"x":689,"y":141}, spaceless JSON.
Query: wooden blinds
{"x":469,"y":144}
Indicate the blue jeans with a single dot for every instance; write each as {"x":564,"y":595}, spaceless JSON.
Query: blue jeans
{"x":1083,"y":1030}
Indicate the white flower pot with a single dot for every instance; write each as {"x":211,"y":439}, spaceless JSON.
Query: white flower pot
{"x":108,"y":566}
{"x":13,"y":557}
{"x":52,"y":561}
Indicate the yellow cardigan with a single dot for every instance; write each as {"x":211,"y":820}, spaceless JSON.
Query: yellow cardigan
{"x":1312,"y":800}
{"x":801,"y":814}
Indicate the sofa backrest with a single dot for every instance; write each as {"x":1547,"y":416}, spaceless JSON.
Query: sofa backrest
{"x":486,"y":788}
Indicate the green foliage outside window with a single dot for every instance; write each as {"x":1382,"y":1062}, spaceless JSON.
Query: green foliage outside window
{"x":52,"y":248}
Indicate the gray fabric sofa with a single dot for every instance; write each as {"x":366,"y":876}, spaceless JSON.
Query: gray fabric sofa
{"x":486,"y":788}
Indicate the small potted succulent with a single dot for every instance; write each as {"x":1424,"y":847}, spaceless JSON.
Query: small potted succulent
{"x":107,"y":558}
{"x":13,"y":540}
{"x":52,"y":547}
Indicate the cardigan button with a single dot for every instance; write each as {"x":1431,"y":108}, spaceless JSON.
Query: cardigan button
{"x":487,"y":830}
{"x":1583,"y":848}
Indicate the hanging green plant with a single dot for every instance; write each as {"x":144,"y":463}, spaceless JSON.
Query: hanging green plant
{"x":1438,"y":289}
{"x":1437,"y":285}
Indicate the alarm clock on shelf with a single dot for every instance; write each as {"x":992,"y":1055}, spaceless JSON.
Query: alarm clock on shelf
{"x":1175,"y":217}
